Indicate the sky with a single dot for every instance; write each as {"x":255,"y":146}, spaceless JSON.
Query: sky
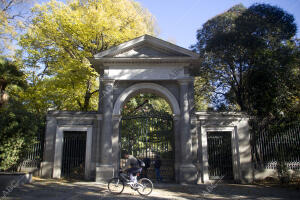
{"x":178,"y":20}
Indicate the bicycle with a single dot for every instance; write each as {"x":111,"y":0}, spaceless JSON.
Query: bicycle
{"x":116,"y":185}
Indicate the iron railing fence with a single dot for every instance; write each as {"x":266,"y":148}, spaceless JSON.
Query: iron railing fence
{"x":270,"y":147}
{"x":34,"y":157}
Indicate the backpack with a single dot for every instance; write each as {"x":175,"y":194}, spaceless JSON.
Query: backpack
{"x":141,"y":163}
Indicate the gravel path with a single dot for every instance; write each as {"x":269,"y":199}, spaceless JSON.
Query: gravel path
{"x":58,"y":190}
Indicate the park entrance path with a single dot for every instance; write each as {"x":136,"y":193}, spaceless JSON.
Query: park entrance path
{"x":42,"y":189}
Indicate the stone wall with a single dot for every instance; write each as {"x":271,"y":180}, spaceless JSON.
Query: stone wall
{"x":71,"y":121}
{"x":237,"y":123}
{"x":201,"y":122}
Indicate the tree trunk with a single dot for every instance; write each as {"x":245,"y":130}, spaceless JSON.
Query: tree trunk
{"x":3,"y":95}
{"x":240,"y":99}
{"x":86,"y":103}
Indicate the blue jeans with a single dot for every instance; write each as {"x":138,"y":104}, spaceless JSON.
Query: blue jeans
{"x":132,"y":172}
{"x":157,"y":172}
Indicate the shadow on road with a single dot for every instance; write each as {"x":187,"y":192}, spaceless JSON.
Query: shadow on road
{"x":65,"y":190}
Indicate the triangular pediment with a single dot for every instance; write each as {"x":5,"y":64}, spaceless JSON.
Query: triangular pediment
{"x":146,"y":47}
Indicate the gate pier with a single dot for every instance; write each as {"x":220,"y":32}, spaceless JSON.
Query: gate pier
{"x":105,"y":169}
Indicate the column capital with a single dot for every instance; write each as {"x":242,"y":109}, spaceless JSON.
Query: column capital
{"x":185,"y":81}
{"x":107,"y":81}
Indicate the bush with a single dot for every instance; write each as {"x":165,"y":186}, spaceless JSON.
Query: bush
{"x":18,"y":131}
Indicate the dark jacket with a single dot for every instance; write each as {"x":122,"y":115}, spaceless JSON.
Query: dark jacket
{"x":157,"y":163}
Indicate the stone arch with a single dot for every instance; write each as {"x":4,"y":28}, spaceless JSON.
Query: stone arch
{"x":146,"y":87}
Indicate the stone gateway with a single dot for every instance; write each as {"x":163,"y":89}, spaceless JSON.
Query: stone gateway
{"x":207,"y":145}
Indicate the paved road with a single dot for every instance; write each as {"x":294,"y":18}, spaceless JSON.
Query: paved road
{"x":52,"y":189}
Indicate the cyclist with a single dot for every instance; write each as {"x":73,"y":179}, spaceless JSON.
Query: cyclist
{"x":132,"y":167}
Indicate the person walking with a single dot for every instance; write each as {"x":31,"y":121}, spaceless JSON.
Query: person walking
{"x":157,"y":165}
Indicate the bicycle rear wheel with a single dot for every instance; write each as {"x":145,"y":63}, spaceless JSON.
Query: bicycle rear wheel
{"x":145,"y":187}
{"x":115,"y":186}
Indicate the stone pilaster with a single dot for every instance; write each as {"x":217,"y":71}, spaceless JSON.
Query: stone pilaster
{"x":176,"y":119}
{"x":187,"y":171}
{"x":101,"y":96}
{"x":47,"y":164}
{"x":116,"y":144}
{"x":104,"y":169}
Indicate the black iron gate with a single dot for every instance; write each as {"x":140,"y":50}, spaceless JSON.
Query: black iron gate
{"x":73,"y":161}
{"x":219,"y":155}
{"x":147,"y":135}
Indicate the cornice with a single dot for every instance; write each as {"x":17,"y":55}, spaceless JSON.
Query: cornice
{"x":186,"y":60}
{"x":221,"y":115}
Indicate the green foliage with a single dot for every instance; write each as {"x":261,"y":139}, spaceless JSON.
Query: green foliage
{"x":212,"y":69}
{"x":251,"y":58}
{"x":10,"y":76}
{"x":18,"y":131}
{"x":271,"y":86}
{"x":62,"y":36}
{"x":141,"y":102}
{"x":202,"y":93}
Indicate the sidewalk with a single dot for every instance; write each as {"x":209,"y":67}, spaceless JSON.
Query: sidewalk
{"x":58,"y":190}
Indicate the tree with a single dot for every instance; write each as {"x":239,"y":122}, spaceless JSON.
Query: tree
{"x":18,"y":132}
{"x":11,"y":17}
{"x":215,"y":81}
{"x":202,"y":92}
{"x":62,"y":37}
{"x":10,"y":76}
{"x":245,"y":49}
{"x":272,"y":84}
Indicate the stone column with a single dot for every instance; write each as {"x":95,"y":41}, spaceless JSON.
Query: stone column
{"x":47,"y":164}
{"x":199,"y":153}
{"x":116,"y":143}
{"x":101,"y":95}
{"x":242,"y":132}
{"x":205,"y":175}
{"x":176,"y":119}
{"x":187,"y":171}
{"x":104,"y":169}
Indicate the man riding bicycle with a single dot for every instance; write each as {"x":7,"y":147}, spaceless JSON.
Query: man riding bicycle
{"x":132,"y":167}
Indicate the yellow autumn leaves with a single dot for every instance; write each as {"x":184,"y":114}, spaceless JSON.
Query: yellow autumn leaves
{"x":61,"y":37}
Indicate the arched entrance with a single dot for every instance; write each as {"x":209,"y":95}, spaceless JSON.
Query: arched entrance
{"x":146,"y":131}
{"x":144,"y":88}
{"x":145,"y":65}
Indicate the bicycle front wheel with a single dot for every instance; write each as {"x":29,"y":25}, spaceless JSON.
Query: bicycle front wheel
{"x":145,"y":187}
{"x":115,"y":186}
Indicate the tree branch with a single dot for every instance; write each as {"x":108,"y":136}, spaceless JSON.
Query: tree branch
{"x":94,"y":92}
{"x":7,"y":6}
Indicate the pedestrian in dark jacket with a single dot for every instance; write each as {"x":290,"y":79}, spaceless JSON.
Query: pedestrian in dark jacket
{"x":157,"y":165}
